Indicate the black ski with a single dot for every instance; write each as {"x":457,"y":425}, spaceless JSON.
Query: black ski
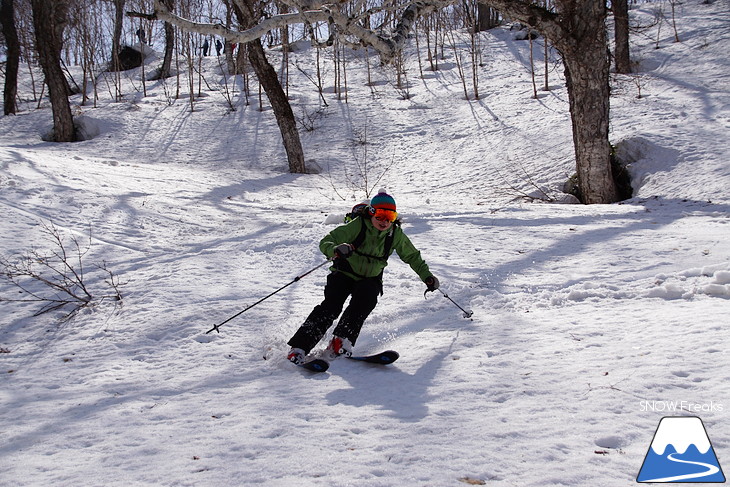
{"x":315,"y":365}
{"x":382,"y":358}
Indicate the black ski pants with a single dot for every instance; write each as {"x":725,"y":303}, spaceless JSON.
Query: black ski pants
{"x":364,"y":294}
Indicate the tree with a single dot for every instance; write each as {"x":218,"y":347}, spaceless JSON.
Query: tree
{"x":49,"y":21}
{"x":576,"y":28}
{"x":117,"y":34}
{"x":621,"y":35}
{"x":487,"y":18}
{"x":270,"y":82}
{"x":7,"y":19}
{"x":164,"y":70}
{"x":117,"y":46}
{"x":247,"y":16}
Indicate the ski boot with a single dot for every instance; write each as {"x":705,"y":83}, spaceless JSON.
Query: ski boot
{"x":339,"y":347}
{"x":296,"y":356}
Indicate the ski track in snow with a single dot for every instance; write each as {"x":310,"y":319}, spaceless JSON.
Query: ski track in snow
{"x":580,"y":312}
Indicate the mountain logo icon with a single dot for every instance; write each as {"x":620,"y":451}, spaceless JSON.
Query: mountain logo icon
{"x":681,"y":452}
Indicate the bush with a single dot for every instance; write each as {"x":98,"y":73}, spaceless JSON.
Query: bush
{"x":59,"y":277}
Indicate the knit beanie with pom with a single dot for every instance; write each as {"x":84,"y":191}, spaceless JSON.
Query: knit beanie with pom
{"x":383,"y":201}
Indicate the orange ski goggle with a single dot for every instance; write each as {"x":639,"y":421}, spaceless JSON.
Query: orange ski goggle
{"x":385,"y":215}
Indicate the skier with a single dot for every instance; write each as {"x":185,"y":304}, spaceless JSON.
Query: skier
{"x":360,"y":250}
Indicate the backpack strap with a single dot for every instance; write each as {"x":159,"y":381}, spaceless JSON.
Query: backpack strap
{"x":389,"y":240}
{"x":360,"y":236}
{"x":386,"y":247}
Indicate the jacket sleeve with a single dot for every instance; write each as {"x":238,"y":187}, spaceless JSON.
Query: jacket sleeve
{"x":342,"y":234}
{"x":409,"y":254}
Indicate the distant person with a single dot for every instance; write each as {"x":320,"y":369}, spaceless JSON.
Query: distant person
{"x":218,"y":47}
{"x":141,"y":35}
{"x":206,"y":47}
{"x":360,"y":250}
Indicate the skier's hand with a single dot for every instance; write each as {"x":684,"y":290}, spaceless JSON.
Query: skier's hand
{"x":432,"y":283}
{"x":344,"y":250}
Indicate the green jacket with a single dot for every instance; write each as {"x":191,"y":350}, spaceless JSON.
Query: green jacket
{"x":373,"y":245}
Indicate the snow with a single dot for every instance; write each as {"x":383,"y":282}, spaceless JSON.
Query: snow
{"x":583,"y":315}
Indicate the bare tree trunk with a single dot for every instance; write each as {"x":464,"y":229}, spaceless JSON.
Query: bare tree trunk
{"x":487,"y":18}
{"x":117,"y":47}
{"x":282,"y":109}
{"x":587,"y":77}
{"x":621,"y":34}
{"x":532,"y":66}
{"x":279,"y":102}
{"x":84,"y":30}
{"x":117,"y":35}
{"x":7,"y":18}
{"x":164,"y":71}
{"x":49,"y":20}
{"x":673,"y":4}
{"x":547,"y":64}
{"x":169,"y":47}
{"x":578,"y":32}
{"x":589,"y":107}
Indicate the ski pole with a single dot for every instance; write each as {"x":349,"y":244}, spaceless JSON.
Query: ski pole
{"x":215,"y":327}
{"x":467,"y":314}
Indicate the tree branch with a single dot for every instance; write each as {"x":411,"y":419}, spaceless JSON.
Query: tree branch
{"x":345,"y":24}
{"x":540,"y":18}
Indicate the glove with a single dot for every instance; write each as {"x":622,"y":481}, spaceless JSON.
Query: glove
{"x":432,"y":283}
{"x":344,"y":250}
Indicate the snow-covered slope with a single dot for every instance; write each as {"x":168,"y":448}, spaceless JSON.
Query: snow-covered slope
{"x":581,"y":314}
